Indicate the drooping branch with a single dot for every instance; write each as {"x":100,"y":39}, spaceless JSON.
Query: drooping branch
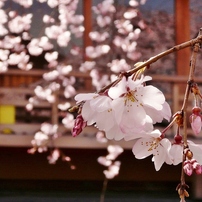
{"x":190,"y":81}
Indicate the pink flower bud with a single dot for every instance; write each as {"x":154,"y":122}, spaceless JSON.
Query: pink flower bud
{"x":79,"y":125}
{"x":188,"y":168}
{"x":197,"y":167}
{"x":196,"y":123}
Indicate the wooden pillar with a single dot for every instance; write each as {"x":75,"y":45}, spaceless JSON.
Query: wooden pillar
{"x":182,"y":32}
{"x":54,"y":111}
{"x":87,"y":13}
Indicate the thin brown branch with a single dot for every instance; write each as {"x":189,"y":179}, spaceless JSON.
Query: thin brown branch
{"x":167,"y":52}
{"x":104,"y":188}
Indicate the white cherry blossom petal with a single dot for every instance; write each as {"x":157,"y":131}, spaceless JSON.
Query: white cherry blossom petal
{"x":152,"y":96}
{"x":101,"y":103}
{"x":87,"y":113}
{"x":118,"y":90}
{"x":102,"y":123}
{"x":196,"y":150}
{"x":114,"y":133}
{"x":85,"y":96}
{"x":176,"y":152}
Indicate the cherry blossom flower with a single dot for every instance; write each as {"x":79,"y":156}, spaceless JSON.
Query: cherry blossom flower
{"x":133,"y":3}
{"x":48,"y":19}
{"x":114,"y":151}
{"x":40,"y":141}
{"x":34,"y":48}
{"x":153,"y":144}
{"x":196,"y":149}
{"x":123,"y":26}
{"x":3,"y":66}
{"x":95,"y":110}
{"x":130,"y":14}
{"x":44,"y":43}
{"x":134,"y":35}
{"x":54,"y":156}
{"x":100,"y":137}
{"x":113,"y":170}
{"x":25,"y":66}
{"x":3,"y":17}
{"x":64,"y":38}
{"x":53,"y":3}
{"x":69,"y":91}
{"x":44,"y":94}
{"x":132,"y":97}
{"x":50,"y":76}
{"x":103,"y":21}
{"x":49,"y":129}
{"x":4,"y":54}
{"x":109,"y":161}
{"x":124,"y":100}
{"x":99,"y":37}
{"x":4,"y":31}
{"x":51,"y":56}
{"x":94,"y":52}
{"x":77,"y":19}
{"x":24,"y":3}
{"x":87,"y":65}
{"x":176,"y":152}
{"x":53,"y":31}
{"x":18,"y":59}
{"x":68,"y":121}
{"x":104,"y":161}
{"x":118,"y":66}
{"x":64,"y":106}
{"x":20,"y":23}
{"x":97,"y":80}
{"x":105,"y":7}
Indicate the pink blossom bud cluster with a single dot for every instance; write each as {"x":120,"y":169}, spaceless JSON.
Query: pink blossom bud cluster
{"x":190,"y":164}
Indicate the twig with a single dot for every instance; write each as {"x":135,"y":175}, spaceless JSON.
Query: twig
{"x":104,"y":188}
{"x":151,"y":60}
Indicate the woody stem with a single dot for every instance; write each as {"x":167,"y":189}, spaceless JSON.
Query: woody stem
{"x":186,"y":97}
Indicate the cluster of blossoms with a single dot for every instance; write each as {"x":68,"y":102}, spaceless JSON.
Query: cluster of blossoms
{"x":110,"y":161}
{"x":43,"y":139}
{"x":128,"y":110}
{"x":114,"y":36}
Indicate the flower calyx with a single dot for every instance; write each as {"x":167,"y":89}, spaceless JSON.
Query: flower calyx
{"x":181,"y":189}
{"x":177,"y":139}
{"x":195,"y":89}
{"x":178,"y":116}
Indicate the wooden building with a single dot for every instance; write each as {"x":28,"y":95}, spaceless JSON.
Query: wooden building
{"x":22,"y":173}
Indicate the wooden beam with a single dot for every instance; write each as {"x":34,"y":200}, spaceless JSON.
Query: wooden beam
{"x":182,"y":29}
